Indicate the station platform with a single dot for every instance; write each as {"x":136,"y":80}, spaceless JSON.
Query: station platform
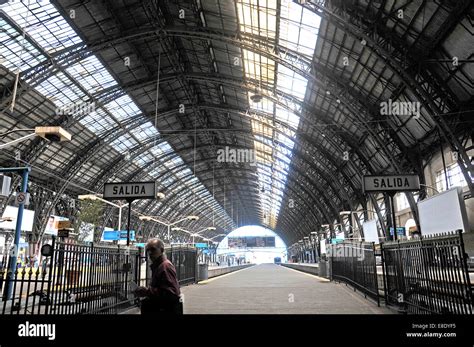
{"x":273,"y":289}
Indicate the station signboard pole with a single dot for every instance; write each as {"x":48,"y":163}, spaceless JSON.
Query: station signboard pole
{"x":24,"y":171}
{"x":129,"y":191}
{"x":391,"y":184}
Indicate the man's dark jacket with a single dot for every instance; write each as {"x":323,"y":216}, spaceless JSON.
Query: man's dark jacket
{"x":163,"y":294}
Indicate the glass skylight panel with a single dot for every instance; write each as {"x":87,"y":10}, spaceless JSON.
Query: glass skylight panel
{"x":287,"y":117}
{"x":264,"y":140}
{"x":291,"y":83}
{"x":98,"y":124}
{"x":281,"y":156}
{"x":285,"y":140}
{"x":122,"y":108}
{"x":259,"y":68}
{"x":257,"y":17}
{"x":167,"y":181}
{"x":170,"y":164}
{"x":193,"y":179}
{"x":98,"y":121}
{"x":260,"y":147}
{"x":60,"y":90}
{"x":47,"y":27}
{"x":259,"y":128}
{"x":11,"y":42}
{"x":284,"y":131}
{"x":155,"y":172}
{"x":161,"y":149}
{"x":43,"y":23}
{"x":281,"y":165}
{"x":299,"y":28}
{"x":181,"y":173}
{"x":186,"y":171}
{"x":91,"y":74}
{"x":144,"y":131}
{"x":143,"y":159}
{"x":124,"y":143}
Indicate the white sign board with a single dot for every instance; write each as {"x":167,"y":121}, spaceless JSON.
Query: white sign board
{"x":370,"y":231}
{"x":5,"y":185}
{"x":129,"y":190}
{"x":322,"y":244}
{"x":390,"y":183}
{"x":443,"y":212}
{"x":12,"y":212}
{"x":51,"y":228}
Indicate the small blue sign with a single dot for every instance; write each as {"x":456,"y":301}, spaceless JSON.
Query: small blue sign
{"x":400,"y":231}
{"x":115,"y":235}
{"x":110,"y":235}
{"x":334,"y":241}
{"x":142,"y":245}
{"x":200,"y":245}
{"x":123,"y":235}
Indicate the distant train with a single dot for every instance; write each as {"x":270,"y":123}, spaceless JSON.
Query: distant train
{"x":277,"y":260}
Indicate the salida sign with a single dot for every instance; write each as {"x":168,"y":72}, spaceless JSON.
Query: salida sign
{"x":129,"y":190}
{"x":391,"y":183}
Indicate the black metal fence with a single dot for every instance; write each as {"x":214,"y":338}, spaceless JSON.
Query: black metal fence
{"x":184,"y":259}
{"x":428,"y":275}
{"x":354,"y":263}
{"x":85,"y":279}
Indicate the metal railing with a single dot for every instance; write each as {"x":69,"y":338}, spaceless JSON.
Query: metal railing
{"x":184,"y":259}
{"x":354,"y":264}
{"x":428,"y":275}
{"x":77,"y":279}
{"x":85,"y":279}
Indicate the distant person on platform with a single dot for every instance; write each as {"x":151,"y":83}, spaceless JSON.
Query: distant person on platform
{"x":163,"y":295}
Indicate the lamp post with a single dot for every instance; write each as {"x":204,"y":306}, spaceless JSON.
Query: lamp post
{"x":212,"y":238}
{"x":314,"y":239}
{"x":95,"y":197}
{"x":307,"y":245}
{"x":169,"y":225}
{"x":196,"y":233}
{"x":206,"y":229}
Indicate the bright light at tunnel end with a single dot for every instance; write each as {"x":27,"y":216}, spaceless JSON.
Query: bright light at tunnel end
{"x":254,"y":255}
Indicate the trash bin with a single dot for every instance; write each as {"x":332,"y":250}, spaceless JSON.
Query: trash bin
{"x":323,"y":269}
{"x":203,"y":273}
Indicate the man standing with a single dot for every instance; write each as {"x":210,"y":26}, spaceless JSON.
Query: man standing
{"x":163,"y":294}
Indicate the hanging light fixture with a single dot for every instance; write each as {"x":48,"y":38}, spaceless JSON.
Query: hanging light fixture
{"x":257,"y":97}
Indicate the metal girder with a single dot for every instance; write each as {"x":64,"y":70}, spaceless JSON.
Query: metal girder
{"x":241,"y":82}
{"x":75,"y":53}
{"x":323,"y":209}
{"x":180,"y":33}
{"x":141,"y":149}
{"x":414,"y":85}
{"x":287,"y":101}
{"x":211,"y":159}
{"x":181,"y":151}
{"x":177,"y":195}
{"x":293,"y":55}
